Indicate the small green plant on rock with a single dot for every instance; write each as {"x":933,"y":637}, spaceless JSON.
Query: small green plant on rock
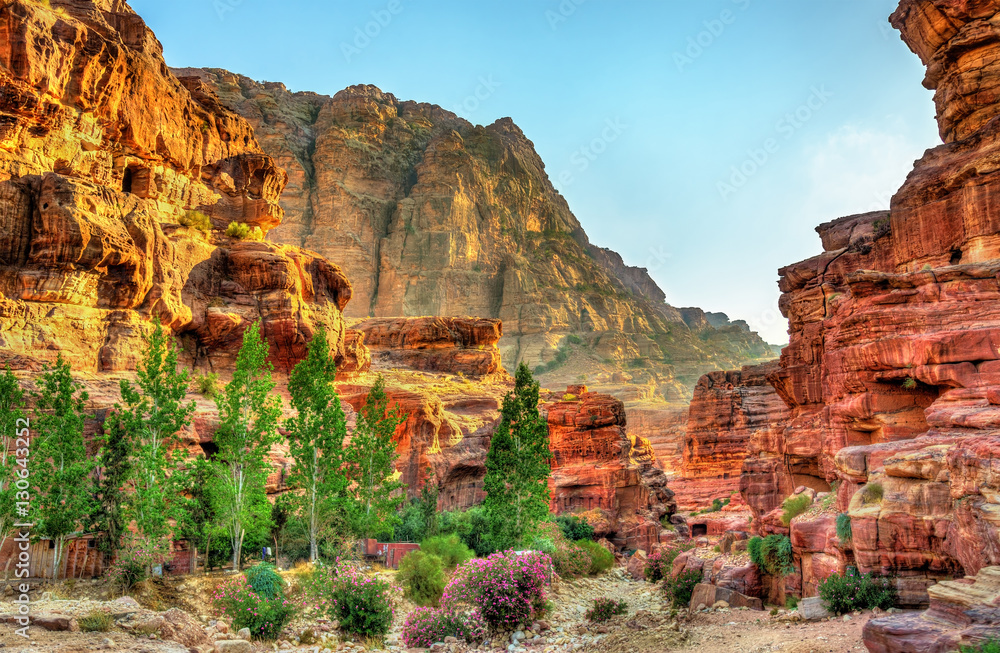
{"x":772,"y":554}
{"x":196,"y":220}
{"x":794,"y":506}
{"x":872,"y":493}
{"x":989,"y":646}
{"x":207,"y":384}
{"x":242,"y":231}
{"x":909,"y":383}
{"x":857,"y":591}
{"x":96,"y":621}
{"x":844,"y":528}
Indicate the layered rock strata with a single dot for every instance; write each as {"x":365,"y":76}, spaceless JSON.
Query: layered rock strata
{"x":116,"y":181}
{"x":602,"y":472}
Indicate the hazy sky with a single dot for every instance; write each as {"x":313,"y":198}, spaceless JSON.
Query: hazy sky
{"x":641,"y":110}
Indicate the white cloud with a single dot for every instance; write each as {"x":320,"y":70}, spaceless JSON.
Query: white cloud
{"x":855,"y":170}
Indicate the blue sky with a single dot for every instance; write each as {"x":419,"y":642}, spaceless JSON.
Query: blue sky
{"x":819,"y":101}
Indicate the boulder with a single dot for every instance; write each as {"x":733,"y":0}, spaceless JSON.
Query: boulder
{"x":813,"y":608}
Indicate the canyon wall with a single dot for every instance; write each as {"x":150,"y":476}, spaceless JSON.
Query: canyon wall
{"x":429,"y":214}
{"x":106,"y":161}
{"x":891,"y":379}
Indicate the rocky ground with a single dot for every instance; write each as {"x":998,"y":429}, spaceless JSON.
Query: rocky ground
{"x":649,"y":626}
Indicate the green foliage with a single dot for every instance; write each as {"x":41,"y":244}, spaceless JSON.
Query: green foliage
{"x":410,"y":526}
{"x":362,"y":605}
{"x":449,"y":548}
{"x":428,"y":505}
{"x":909,"y":383}
{"x":794,"y":506}
{"x":679,"y":590}
{"x":517,"y":466}
{"x":561,"y":356}
{"x":59,"y":464}
{"x":717,"y":505}
{"x":989,"y":646}
{"x":574,"y":339}
{"x":857,"y":591}
{"x":248,"y":412}
{"x":12,"y":424}
{"x":265,"y":580}
{"x":264,"y":616}
{"x":152,"y":417}
{"x":881,"y":228}
{"x":471,"y":526}
{"x":772,"y":554}
{"x":197,"y":220}
{"x":600,"y":558}
{"x":791,"y":602}
{"x":316,"y":441}
{"x":569,"y":559}
{"x":422,"y":576}
{"x":207,"y":385}
{"x":242,"y":231}
{"x":111,"y":517}
{"x":575,"y":528}
{"x":605,"y":608}
{"x":661,"y":561}
{"x":844,"y":528}
{"x":96,"y":621}
{"x":872,"y":493}
{"x":371,"y":465}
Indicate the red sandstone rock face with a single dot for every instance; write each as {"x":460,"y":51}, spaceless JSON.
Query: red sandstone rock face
{"x":597,"y":467}
{"x":729,"y":410}
{"x":458,"y":345}
{"x":103,"y":152}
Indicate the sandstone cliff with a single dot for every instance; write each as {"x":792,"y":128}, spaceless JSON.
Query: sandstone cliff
{"x":431,"y":215}
{"x":892,"y":375}
{"x":116,"y":182}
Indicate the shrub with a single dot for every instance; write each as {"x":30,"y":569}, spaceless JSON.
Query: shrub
{"x":265,"y":580}
{"x":543,"y":545}
{"x":772,"y":554}
{"x":791,"y":602}
{"x":989,"y":646}
{"x":600,"y":558}
{"x":909,"y":383}
{"x":575,"y":528}
{"x":196,"y":220}
{"x":362,"y":604}
{"x":207,"y":384}
{"x":574,"y":339}
{"x":508,"y":589}
{"x":679,"y":590}
{"x":569,"y":559}
{"x":605,"y":608}
{"x":263,"y":616}
{"x":872,"y":493}
{"x":422,"y":577}
{"x":794,"y":506}
{"x":133,"y":563}
{"x":857,"y":591}
{"x":844,"y":528}
{"x":96,"y":621}
{"x":471,"y":527}
{"x":449,"y":548}
{"x":661,"y":561}
{"x":426,"y":626}
{"x":242,"y":231}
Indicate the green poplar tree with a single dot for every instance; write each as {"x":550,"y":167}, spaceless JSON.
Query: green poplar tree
{"x":248,"y":412}
{"x":517,"y":466}
{"x":153,"y":416}
{"x":114,"y":470}
{"x":11,"y":410}
{"x":63,"y":497}
{"x":371,"y":465}
{"x":316,"y":439}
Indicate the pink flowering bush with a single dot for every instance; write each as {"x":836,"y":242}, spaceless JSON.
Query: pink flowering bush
{"x":264,"y":616}
{"x":133,"y":563}
{"x":508,"y":589}
{"x":362,"y":604}
{"x":425,"y":626}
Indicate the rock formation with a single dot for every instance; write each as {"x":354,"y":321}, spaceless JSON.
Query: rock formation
{"x":116,"y":179}
{"x":431,"y":215}
{"x":730,"y":414}
{"x":600,"y":470}
{"x":892,"y":375}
